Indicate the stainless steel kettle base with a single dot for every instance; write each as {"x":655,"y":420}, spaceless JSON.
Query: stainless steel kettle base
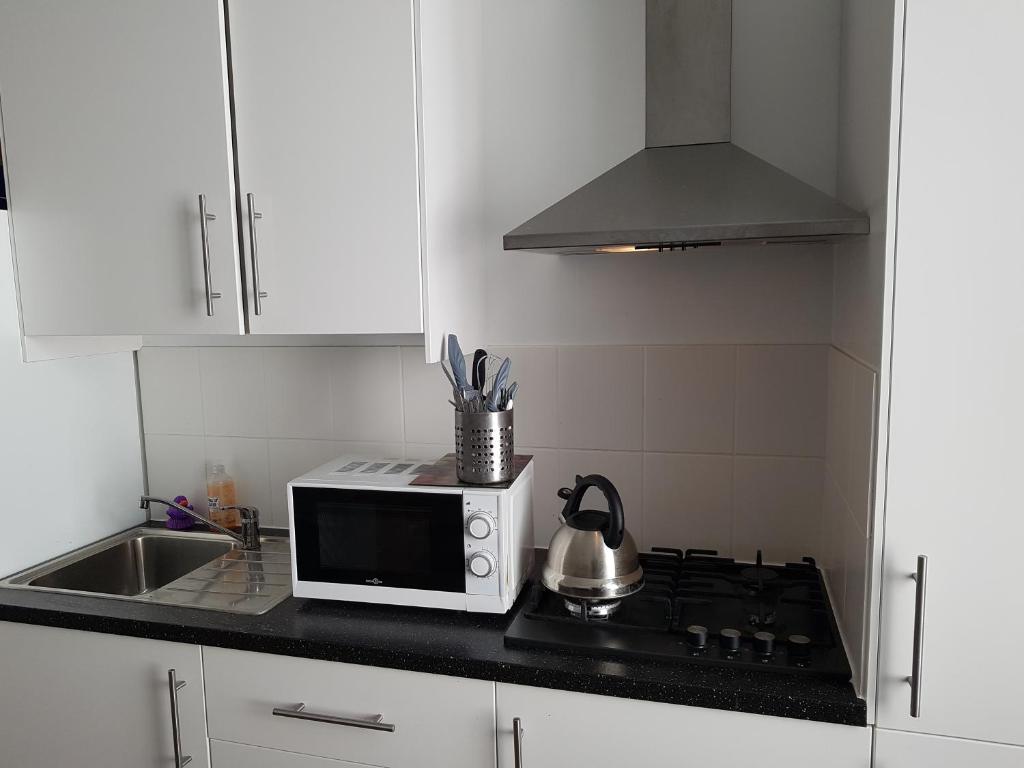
{"x":592,"y":609}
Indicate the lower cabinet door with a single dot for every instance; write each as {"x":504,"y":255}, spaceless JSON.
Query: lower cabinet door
{"x":559,"y":728}
{"x":226,"y":754}
{"x":902,"y":749}
{"x":362,"y":714}
{"x":70,"y":698}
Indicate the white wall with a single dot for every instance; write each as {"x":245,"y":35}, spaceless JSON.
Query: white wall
{"x":563,"y":102}
{"x":69,"y":448}
{"x":863,"y":181}
{"x":711,"y":446}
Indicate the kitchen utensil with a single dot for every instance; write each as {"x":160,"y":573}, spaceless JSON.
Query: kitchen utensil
{"x":592,"y":557}
{"x":484,"y":446}
{"x":457,"y":361}
{"x":499,"y":383}
{"x":507,"y":396}
{"x":479,"y":369}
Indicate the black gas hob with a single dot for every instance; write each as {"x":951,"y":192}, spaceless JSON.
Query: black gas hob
{"x":697,"y":607}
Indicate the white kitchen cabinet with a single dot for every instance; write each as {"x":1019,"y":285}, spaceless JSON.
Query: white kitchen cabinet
{"x":325,"y":115}
{"x":115,"y":120}
{"x":84,"y":699}
{"x":900,"y":749}
{"x":441,"y":721}
{"x":352,"y":140}
{"x":561,"y":728}
{"x":226,"y":754}
{"x":956,"y":410}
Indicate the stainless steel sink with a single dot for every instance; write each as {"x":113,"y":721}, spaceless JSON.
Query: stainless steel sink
{"x":199,"y":570}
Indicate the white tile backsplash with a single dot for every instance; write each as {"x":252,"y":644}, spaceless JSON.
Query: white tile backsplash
{"x":600,"y":398}
{"x":536,"y":405}
{"x":675,"y":380}
{"x":781,"y":396}
{"x":172,"y":397}
{"x":298,"y":392}
{"x":176,"y":465}
{"x":234,"y":397}
{"x":425,"y":396}
{"x":366,"y":393}
{"x":777,"y":507}
{"x":659,"y":421}
{"x":688,"y":501}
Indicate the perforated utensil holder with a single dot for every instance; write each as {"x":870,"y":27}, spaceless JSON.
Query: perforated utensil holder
{"x":484,"y":447}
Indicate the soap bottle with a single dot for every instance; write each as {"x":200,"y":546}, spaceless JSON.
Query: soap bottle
{"x":221,"y":493}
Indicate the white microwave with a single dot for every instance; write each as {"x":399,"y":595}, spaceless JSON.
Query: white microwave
{"x":367,"y":531}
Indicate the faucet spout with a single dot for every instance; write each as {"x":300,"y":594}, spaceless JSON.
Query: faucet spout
{"x":250,"y":536}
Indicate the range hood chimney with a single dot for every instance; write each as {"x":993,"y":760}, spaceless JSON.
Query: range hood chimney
{"x":690,"y":186}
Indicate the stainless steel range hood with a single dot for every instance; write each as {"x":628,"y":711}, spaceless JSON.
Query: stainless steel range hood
{"x":691,"y":186}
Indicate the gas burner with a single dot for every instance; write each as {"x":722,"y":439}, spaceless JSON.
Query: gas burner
{"x":697,"y":608}
{"x":595,"y":609}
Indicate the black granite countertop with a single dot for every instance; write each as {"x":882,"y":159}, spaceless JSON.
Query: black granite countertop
{"x":440,"y":642}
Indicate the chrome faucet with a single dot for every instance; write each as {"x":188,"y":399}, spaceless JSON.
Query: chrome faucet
{"x":250,"y":537}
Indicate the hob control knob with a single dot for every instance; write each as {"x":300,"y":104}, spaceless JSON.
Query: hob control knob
{"x":480,"y":525}
{"x":696,"y":636}
{"x":729,"y":640}
{"x":482,"y":564}
{"x":799,"y":646}
{"x":764,"y":643}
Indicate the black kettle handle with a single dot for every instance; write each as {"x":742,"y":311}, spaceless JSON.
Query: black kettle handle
{"x":615,"y":529}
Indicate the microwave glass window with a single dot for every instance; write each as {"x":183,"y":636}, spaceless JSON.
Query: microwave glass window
{"x":403,"y":539}
{"x":369,"y":538}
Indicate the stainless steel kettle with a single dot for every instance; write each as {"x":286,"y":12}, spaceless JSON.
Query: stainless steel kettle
{"x":592,"y":557}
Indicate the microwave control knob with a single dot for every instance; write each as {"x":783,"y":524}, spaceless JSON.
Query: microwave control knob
{"x":480,"y":525}
{"x":482,"y":564}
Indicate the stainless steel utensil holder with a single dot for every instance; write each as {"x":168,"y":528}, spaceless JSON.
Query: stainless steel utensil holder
{"x":484,"y":447}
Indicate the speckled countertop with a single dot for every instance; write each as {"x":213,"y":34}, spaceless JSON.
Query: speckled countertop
{"x":441,"y":642}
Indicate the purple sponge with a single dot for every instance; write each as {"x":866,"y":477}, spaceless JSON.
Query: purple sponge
{"x":179,"y":521}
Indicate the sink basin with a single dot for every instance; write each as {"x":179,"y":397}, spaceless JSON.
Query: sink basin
{"x":198,"y":570}
{"x":136,"y":566}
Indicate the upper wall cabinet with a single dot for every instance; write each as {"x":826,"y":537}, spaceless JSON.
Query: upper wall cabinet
{"x":325,"y":116}
{"x":115,"y":121}
{"x":358,"y":175}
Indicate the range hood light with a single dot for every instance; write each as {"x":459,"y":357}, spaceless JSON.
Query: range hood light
{"x":625,"y":248}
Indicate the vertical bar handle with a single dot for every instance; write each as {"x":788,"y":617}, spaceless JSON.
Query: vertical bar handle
{"x":204,"y":230}
{"x":258,"y":295}
{"x":173,"y":685}
{"x":517,"y":741}
{"x":921,"y":577}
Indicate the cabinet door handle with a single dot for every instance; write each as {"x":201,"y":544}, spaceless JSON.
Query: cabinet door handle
{"x":173,"y":685}
{"x":921,"y":577}
{"x":258,"y":295}
{"x":204,"y":230}
{"x":517,"y":741}
{"x":373,"y":723}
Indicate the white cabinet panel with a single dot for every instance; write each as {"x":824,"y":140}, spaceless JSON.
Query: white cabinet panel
{"x":84,"y":699}
{"x":956,"y":411}
{"x":115,"y":118}
{"x":325,"y":109}
{"x":440,"y":721}
{"x":226,"y":754}
{"x":899,"y":749}
{"x":562,"y":728}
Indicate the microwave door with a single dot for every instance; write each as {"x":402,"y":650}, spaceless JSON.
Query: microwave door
{"x":400,"y":539}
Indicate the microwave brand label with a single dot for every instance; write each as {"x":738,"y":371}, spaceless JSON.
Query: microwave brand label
{"x":375,"y":581}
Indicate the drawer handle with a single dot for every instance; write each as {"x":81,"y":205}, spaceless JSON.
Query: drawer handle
{"x":174,"y":685}
{"x":373,"y":723}
{"x":517,"y":741}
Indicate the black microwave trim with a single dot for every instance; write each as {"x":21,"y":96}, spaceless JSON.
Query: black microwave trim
{"x":379,"y":538}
